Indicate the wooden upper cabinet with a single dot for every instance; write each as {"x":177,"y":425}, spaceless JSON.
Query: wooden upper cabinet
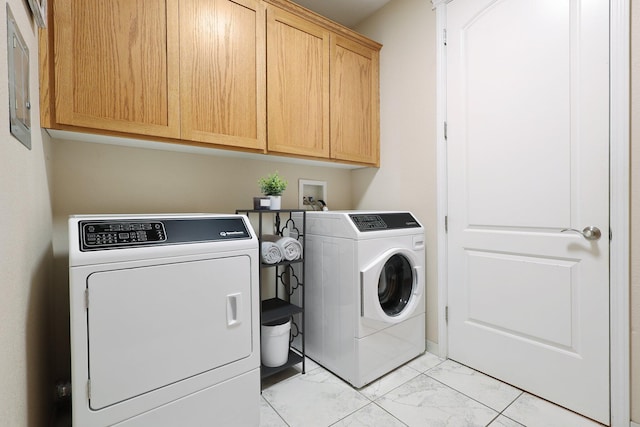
{"x":355,"y":102}
{"x":222,"y":72}
{"x":116,"y":65}
{"x":256,"y":75}
{"x":297,"y":85}
{"x":322,"y":88}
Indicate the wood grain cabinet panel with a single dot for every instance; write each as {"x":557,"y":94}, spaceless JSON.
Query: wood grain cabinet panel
{"x":355,"y":105}
{"x":116,"y":65}
{"x":222,"y":72}
{"x":298,"y":85}
{"x":322,"y":91}
{"x":254,"y":75}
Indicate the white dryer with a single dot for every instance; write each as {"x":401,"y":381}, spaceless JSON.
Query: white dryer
{"x":364,"y":292}
{"x":164,"y":320}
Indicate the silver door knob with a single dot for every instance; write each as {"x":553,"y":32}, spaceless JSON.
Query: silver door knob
{"x":589,"y":233}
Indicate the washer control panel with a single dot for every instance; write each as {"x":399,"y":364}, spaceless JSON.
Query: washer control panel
{"x":384,"y":221}
{"x":368,"y":222}
{"x":118,"y":234}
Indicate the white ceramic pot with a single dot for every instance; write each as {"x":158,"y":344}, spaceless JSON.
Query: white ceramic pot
{"x":275,"y":202}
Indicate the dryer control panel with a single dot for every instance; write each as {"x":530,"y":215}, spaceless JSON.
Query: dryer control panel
{"x":384,"y":221}
{"x":118,"y":234}
{"x":128,"y":233}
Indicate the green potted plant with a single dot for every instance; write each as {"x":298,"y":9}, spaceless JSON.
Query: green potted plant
{"x":273,"y":185}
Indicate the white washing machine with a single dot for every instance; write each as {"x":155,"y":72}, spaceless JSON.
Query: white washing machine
{"x":364,"y":290}
{"x":164,"y":320}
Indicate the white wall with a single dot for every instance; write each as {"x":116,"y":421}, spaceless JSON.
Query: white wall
{"x":407,"y":175}
{"x":25,"y":251}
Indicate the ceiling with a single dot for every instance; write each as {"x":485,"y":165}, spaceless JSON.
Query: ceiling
{"x":346,"y":12}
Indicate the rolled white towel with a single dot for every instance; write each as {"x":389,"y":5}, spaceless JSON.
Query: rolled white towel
{"x":290,"y":247}
{"x":271,"y":253}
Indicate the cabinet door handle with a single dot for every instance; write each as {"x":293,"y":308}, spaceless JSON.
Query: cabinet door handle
{"x":234,"y":309}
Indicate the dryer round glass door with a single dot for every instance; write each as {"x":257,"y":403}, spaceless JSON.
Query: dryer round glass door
{"x":395,"y":285}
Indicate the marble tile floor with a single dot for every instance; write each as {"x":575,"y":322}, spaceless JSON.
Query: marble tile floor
{"x":427,"y":391}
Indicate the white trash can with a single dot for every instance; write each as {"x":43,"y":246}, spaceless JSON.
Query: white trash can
{"x":274,"y":344}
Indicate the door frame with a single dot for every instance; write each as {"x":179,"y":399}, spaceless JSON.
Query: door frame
{"x":619,"y":199}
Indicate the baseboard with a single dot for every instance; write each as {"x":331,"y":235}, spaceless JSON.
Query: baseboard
{"x":632,"y":424}
{"x":433,"y":348}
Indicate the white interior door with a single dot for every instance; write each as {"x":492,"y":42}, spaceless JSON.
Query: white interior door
{"x":528,"y":154}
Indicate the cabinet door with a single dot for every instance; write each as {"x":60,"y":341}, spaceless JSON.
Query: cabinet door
{"x":116,"y":65}
{"x":297,"y":85}
{"x":222,"y":72}
{"x":355,"y":104}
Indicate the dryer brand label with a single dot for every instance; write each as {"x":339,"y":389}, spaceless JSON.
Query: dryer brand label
{"x":233,"y":233}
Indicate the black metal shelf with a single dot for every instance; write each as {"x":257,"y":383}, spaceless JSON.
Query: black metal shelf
{"x":270,"y":210}
{"x":281,"y":263}
{"x":275,"y":309}
{"x":294,"y":359}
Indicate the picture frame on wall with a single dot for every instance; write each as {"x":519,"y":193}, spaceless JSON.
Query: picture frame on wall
{"x":18,"y":78}
{"x":39,"y":11}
